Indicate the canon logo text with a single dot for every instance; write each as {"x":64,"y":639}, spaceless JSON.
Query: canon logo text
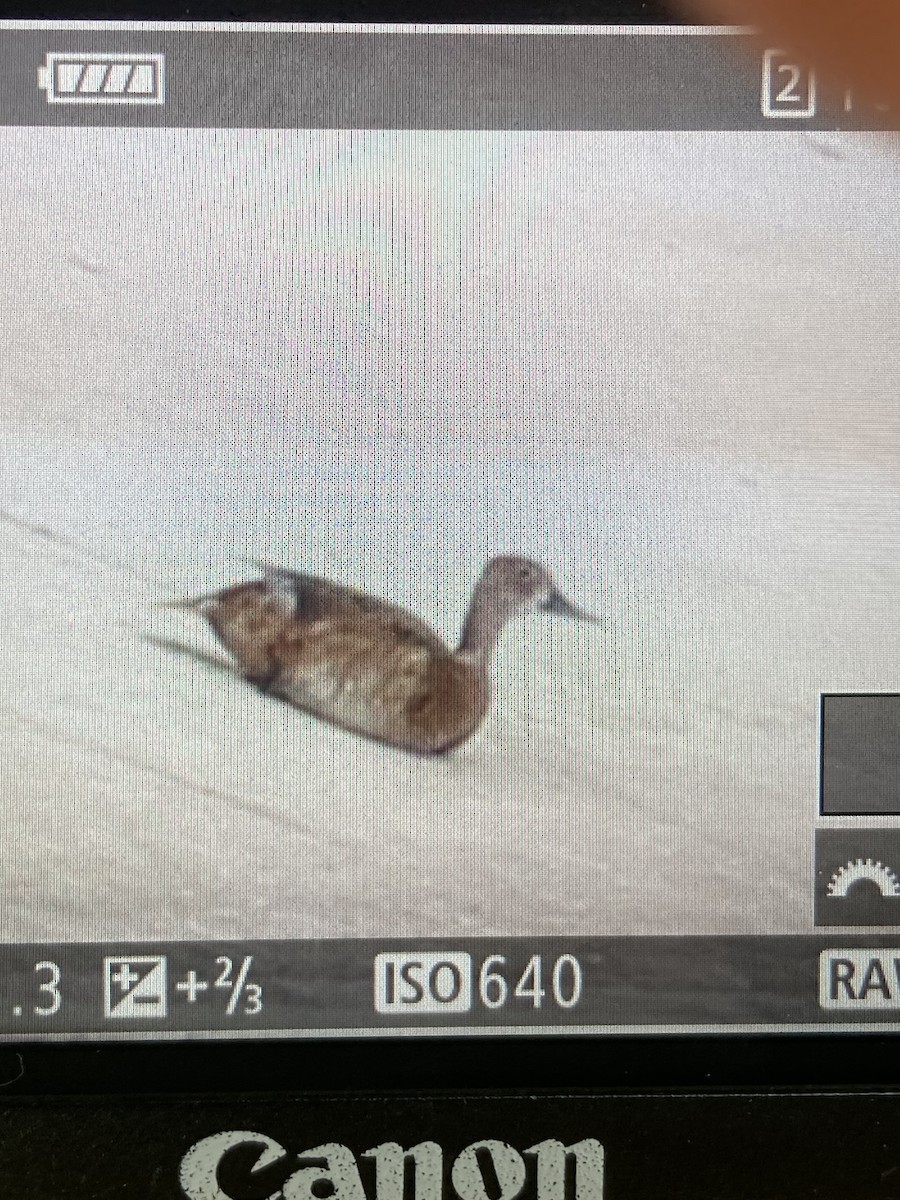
{"x":485,"y":1170}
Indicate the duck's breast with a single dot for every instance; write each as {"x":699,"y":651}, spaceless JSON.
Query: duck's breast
{"x":450,"y":706}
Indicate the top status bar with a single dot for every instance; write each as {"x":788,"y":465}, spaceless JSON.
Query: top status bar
{"x":414,"y":77}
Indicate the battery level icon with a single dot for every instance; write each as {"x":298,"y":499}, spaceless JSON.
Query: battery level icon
{"x":103,"y":78}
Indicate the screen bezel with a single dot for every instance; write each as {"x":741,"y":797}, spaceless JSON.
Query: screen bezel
{"x":551,"y":1062}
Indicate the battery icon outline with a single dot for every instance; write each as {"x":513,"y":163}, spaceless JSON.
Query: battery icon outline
{"x":101,"y":77}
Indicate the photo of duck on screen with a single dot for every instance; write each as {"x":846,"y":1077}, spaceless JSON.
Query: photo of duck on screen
{"x":370,"y":666}
{"x":418,"y":534}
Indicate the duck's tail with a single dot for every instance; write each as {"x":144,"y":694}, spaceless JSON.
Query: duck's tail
{"x":190,"y":603}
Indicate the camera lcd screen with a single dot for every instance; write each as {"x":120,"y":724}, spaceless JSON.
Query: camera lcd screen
{"x":449,"y":510}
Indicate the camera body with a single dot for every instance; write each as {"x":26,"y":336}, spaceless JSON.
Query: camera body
{"x":450,"y":710}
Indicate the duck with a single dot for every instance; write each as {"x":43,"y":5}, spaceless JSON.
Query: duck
{"x":370,"y":666}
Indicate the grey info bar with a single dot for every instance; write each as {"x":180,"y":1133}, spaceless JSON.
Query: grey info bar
{"x":334,"y":987}
{"x":411,"y":80}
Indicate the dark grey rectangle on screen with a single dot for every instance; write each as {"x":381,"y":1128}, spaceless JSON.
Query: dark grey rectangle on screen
{"x":612,"y":983}
{"x":860,"y":757}
{"x":385,"y":80}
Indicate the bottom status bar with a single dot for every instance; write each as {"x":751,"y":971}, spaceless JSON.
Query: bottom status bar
{"x":329,"y":988}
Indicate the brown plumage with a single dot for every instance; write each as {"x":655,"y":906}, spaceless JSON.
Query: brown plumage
{"x":368,"y":665}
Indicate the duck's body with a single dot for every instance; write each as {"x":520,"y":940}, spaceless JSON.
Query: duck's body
{"x":368,"y":665}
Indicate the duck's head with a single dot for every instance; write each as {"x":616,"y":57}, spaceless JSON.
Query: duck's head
{"x":523,"y":583}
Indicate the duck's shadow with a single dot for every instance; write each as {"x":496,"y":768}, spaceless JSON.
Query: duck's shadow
{"x":183,"y":650}
{"x":172,"y":646}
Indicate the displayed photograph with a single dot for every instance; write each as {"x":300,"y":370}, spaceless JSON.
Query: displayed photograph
{"x":420,"y":534}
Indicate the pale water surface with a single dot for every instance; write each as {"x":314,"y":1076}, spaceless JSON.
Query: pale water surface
{"x":665,"y":365}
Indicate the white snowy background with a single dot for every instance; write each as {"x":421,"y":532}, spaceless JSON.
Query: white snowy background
{"x":665,"y":364}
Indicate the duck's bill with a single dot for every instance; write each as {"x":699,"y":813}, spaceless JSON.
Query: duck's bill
{"x":188,"y":603}
{"x":559,"y":606}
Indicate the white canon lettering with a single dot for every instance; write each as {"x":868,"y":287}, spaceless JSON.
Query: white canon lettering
{"x":551,"y":1169}
{"x":389,"y":1170}
{"x":199,"y":1167}
{"x":509,"y":1168}
{"x":336,"y":1175}
{"x":340,"y":1171}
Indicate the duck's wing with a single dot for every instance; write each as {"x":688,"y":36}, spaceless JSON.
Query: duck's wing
{"x":312,"y":598}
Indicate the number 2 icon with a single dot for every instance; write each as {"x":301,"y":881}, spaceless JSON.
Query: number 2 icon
{"x":788,"y":89}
